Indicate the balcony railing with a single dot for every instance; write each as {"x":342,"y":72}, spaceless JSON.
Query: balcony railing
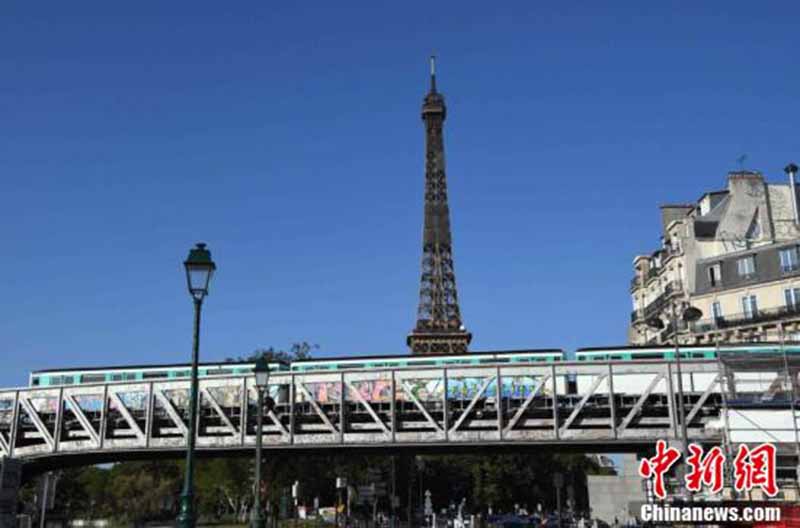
{"x":792,"y":267}
{"x":667,"y":332}
{"x":672,"y":288}
{"x":740,"y":319}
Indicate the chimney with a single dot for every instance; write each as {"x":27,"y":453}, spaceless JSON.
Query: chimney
{"x":791,"y":170}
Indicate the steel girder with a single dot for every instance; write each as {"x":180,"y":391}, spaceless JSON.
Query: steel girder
{"x":563,"y":403}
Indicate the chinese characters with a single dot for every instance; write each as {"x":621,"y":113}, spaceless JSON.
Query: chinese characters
{"x":751,"y":468}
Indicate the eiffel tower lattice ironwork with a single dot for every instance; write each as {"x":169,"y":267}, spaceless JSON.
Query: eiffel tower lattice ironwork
{"x":439,"y":329}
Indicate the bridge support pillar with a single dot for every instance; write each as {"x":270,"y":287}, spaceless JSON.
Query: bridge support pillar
{"x":10,"y":478}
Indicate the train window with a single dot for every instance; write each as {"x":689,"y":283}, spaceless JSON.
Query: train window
{"x":220,"y":372}
{"x":93,"y":378}
{"x":154,"y":375}
{"x":117,"y":377}
{"x":67,"y":380}
{"x":641,"y":356}
{"x":183,"y":373}
{"x":35,"y":381}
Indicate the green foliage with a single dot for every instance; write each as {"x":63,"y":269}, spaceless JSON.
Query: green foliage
{"x":142,"y":491}
{"x":297,"y":351}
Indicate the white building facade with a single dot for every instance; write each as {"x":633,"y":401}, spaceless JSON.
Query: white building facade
{"x":735,"y":255}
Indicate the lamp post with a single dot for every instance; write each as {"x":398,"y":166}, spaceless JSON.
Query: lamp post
{"x":689,"y":315}
{"x":199,"y":269}
{"x":261,"y":371}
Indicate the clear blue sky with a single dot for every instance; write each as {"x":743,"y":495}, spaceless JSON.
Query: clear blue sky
{"x":287,"y":136}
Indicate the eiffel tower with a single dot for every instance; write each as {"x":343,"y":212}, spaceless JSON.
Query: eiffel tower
{"x":439,"y":329}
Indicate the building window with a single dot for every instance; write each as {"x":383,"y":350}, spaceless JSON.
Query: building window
{"x":789,"y":260}
{"x":715,"y":275}
{"x":746,"y":266}
{"x":792,"y":297}
{"x":716,"y":311}
{"x":749,"y":306}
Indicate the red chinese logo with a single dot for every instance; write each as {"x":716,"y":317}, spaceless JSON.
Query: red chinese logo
{"x":658,"y":465}
{"x":705,"y":470}
{"x":752,"y":468}
{"x":755,"y":468}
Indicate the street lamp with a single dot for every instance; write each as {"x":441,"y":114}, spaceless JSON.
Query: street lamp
{"x":690,"y":314}
{"x":261,"y":371}
{"x":199,"y":269}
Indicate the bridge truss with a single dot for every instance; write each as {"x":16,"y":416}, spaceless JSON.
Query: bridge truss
{"x":596,"y":406}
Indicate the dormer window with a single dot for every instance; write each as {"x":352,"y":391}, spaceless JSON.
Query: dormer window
{"x":715,"y":275}
{"x":746,"y":266}
{"x":789,"y":259}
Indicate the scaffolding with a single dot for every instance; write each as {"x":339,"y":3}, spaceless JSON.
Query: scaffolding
{"x":759,"y":403}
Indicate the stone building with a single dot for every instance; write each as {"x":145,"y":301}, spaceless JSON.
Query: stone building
{"x":734,"y":255}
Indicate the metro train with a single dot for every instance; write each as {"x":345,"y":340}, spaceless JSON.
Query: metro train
{"x":631,"y":353}
{"x":79,"y":376}
{"x":60,"y":377}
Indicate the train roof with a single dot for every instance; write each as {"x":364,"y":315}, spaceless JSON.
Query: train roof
{"x":308,"y":360}
{"x":426,"y":356}
{"x":726,"y":346}
{"x":142,"y":367}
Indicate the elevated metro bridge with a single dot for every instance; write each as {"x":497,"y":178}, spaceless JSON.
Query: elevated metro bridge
{"x":594,"y":407}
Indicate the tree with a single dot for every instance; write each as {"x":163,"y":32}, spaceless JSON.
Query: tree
{"x":297,"y":351}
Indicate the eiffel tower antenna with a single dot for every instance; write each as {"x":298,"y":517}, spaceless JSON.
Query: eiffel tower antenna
{"x":433,"y":73}
{"x":439,"y":329}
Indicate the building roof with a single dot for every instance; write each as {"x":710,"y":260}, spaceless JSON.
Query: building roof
{"x":705,"y":226}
